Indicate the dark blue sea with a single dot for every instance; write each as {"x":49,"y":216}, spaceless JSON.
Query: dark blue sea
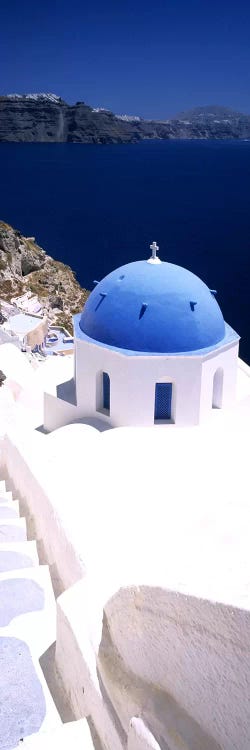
{"x":97,"y":207}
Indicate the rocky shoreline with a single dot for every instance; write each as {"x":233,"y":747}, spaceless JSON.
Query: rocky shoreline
{"x":26,"y":267}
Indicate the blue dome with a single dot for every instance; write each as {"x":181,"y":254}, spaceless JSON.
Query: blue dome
{"x":153,"y":307}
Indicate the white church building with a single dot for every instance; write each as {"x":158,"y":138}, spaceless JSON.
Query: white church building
{"x":151,"y":347}
{"x":142,"y":529}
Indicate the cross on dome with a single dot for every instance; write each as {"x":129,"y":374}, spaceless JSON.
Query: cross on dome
{"x":154,"y":259}
{"x":154,"y":247}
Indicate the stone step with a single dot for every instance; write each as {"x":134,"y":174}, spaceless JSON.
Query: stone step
{"x":4,"y":491}
{"x":15,"y":555}
{"x":27,"y":706}
{"x":9,"y":509}
{"x":27,"y":607}
{"x":75,"y":734}
{"x":27,"y":630}
{"x":5,"y":496}
{"x":13,"y":530}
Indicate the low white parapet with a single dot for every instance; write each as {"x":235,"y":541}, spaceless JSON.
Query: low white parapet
{"x":46,"y":499}
{"x":176,"y":663}
{"x":154,"y":622}
{"x":140,"y":737}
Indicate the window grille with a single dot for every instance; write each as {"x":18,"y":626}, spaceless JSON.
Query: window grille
{"x":163,"y":400}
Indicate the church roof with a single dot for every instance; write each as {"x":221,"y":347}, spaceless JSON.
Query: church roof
{"x":153,"y":306}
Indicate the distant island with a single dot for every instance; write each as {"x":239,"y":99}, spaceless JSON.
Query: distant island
{"x":39,"y":118}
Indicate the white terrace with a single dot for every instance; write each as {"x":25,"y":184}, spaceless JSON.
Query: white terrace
{"x":132,"y":632}
{"x":145,"y":535}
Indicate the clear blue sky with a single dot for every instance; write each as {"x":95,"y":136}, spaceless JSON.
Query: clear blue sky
{"x":148,"y":58}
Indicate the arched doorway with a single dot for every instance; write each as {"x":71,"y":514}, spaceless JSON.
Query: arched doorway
{"x":218,"y":388}
{"x":103,"y":393}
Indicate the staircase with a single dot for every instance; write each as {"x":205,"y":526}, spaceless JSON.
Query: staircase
{"x":27,"y":631}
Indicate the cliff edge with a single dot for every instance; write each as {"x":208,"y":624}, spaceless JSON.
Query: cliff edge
{"x":26,"y":267}
{"x":46,"y":118}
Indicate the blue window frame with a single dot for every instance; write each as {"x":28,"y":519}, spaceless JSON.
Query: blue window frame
{"x":163,"y":401}
{"x":106,"y":391}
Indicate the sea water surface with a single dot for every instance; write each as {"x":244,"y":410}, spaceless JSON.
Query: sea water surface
{"x":98,"y":207}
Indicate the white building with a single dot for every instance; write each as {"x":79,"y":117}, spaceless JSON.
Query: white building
{"x":31,"y":330}
{"x":144,"y":532}
{"x":151,"y":347}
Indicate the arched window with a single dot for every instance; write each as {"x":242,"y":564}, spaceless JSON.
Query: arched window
{"x":105,"y":391}
{"x":163,"y":401}
{"x":217,"y":389}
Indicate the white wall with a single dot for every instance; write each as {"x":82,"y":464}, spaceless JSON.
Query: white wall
{"x":133,"y":379}
{"x":185,"y":663}
{"x":174,"y":651}
{"x":43,"y":485}
{"x":227,"y":360}
{"x":180,"y":663}
{"x":79,"y":626}
{"x":139,"y":736}
{"x":57,"y":412}
{"x":132,"y":384}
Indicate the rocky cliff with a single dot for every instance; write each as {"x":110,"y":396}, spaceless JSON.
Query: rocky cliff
{"x":47,"y":118}
{"x":41,"y":119}
{"x":24,"y":266}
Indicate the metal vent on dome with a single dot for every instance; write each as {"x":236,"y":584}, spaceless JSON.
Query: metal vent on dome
{"x":143,"y":309}
{"x":103,"y":295}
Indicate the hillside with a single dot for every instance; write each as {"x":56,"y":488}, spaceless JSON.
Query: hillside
{"x":47,"y":118}
{"x":24,"y":266}
{"x":210,"y":113}
{"x":38,"y":118}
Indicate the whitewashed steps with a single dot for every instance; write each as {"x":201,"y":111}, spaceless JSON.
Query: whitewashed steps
{"x":9,"y":509}
{"x":5,"y":496}
{"x":13,"y":530}
{"x":27,"y":630}
{"x":27,"y":606}
{"x":16,"y":555}
{"x":26,"y":703}
{"x":75,"y":735}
